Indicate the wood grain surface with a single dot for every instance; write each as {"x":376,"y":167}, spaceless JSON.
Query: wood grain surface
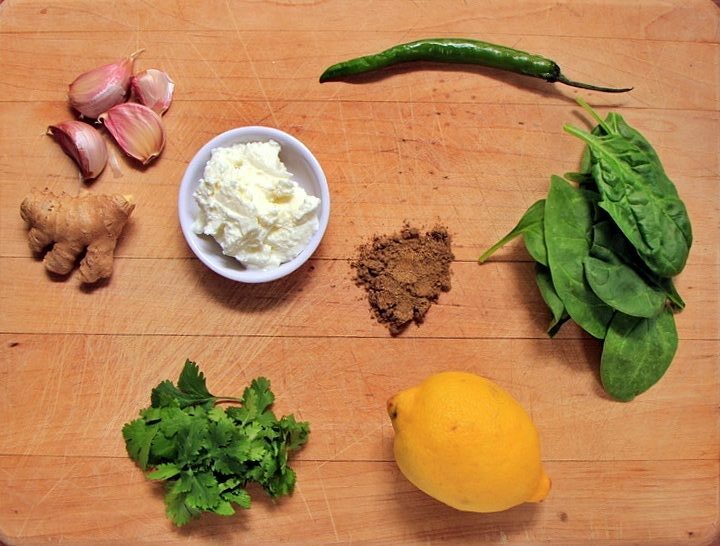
{"x":469,"y":148}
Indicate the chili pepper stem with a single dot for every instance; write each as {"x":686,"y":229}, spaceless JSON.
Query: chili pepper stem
{"x":571,"y":83}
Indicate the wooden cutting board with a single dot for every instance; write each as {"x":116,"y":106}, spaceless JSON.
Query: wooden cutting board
{"x":468,"y":148}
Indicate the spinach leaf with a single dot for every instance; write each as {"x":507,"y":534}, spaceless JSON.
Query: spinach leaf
{"x":638,"y":195}
{"x":610,"y":245}
{"x":617,"y":125}
{"x":530,"y":227}
{"x":613,"y":280}
{"x":583,"y":179}
{"x":569,"y":215}
{"x":669,"y":287}
{"x":621,"y":288}
{"x":636,"y":353}
{"x":551,"y":298}
{"x":606,"y":251}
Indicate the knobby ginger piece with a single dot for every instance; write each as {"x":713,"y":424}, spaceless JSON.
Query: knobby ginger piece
{"x":73,"y":224}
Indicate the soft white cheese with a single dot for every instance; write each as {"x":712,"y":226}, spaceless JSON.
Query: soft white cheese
{"x":252,"y":208}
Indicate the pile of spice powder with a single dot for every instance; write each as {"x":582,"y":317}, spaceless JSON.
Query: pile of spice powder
{"x":404,"y":274}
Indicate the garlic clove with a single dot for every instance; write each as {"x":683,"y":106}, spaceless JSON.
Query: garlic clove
{"x":137,"y":130}
{"x":154,"y":89}
{"x":114,"y":164}
{"x":84,"y":144}
{"x":101,"y":88}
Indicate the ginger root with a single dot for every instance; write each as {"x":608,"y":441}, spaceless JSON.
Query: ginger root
{"x":73,"y":224}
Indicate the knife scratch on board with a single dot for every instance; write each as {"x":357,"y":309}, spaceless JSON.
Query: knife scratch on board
{"x":327,"y":503}
{"x":351,"y":445}
{"x":217,"y":78}
{"x":39,"y":501}
{"x":305,"y":502}
{"x":252,"y":64}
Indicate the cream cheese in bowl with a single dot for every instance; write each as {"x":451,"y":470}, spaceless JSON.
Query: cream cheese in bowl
{"x":254,"y":204}
{"x":248,"y":203}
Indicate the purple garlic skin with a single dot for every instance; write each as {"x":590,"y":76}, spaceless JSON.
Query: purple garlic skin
{"x":137,"y":129}
{"x":101,"y":88}
{"x":153,"y":88}
{"x":84,"y":144}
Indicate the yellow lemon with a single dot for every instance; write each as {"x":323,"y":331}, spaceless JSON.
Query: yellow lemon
{"x":465,"y":441}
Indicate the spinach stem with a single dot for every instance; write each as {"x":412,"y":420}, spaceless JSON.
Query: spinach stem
{"x":490,"y":251}
{"x":578,"y":133}
{"x":593,"y":113}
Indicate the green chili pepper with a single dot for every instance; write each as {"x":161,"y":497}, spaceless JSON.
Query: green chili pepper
{"x":461,"y":51}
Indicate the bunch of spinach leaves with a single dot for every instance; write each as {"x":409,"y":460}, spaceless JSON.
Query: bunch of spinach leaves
{"x":207,"y":454}
{"x":607,"y":241}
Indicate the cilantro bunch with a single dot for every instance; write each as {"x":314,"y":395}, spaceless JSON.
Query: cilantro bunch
{"x":207,"y":454}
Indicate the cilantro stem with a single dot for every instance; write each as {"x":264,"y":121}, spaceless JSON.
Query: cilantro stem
{"x":226,"y":399}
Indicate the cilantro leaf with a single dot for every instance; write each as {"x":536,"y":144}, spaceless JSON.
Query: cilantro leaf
{"x":176,"y":506}
{"x":258,"y":396}
{"x":220,"y":433}
{"x":217,"y":414}
{"x":164,"y":471}
{"x":190,"y":390}
{"x":296,"y":434}
{"x":173,"y":419}
{"x":281,"y":484}
{"x":239,"y":497}
{"x":191,"y":439}
{"x":165,"y":394}
{"x":138,"y":439}
{"x":204,"y":491}
{"x":192,"y":381}
{"x":224,"y":508}
{"x":151,"y":415}
{"x":206,"y":454}
{"x":228,"y":466}
{"x":229,"y":484}
{"x":162,"y":449}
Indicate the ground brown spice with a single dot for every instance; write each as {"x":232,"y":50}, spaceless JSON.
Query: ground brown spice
{"x":404,"y":273}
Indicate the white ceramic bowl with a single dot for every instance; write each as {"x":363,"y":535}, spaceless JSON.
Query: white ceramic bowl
{"x":306,"y":171}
